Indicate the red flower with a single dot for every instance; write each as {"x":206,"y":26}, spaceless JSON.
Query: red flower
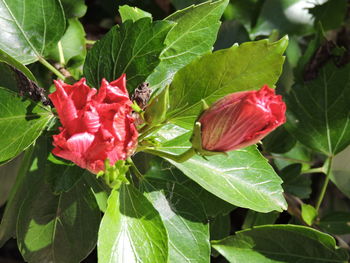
{"x":96,"y":126}
{"x":241,"y":119}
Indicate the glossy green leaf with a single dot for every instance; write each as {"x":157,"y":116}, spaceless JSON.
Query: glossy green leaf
{"x":21,"y":122}
{"x":253,"y":219}
{"x":184,"y":219}
{"x":132,"y":48}
{"x":16,"y":198}
{"x":279,"y":141}
{"x":193,"y":35}
{"x":230,"y":33}
{"x":336,"y":223}
{"x":280,"y":243}
{"x":294,"y":182}
{"x":246,"y":12}
{"x":4,"y":57}
{"x":319,"y":111}
{"x":30,"y":27}
{"x":8,"y":174}
{"x":330,"y":14}
{"x":100,"y":190}
{"x":285,"y":16}
{"x":308,"y":213}
{"x":180,"y":4}
{"x":58,"y":228}
{"x":72,"y":9}
{"x":132,"y":13}
{"x":72,"y":44}
{"x":131,"y":230}
{"x":218,"y":74}
{"x":220,"y":227}
{"x":163,"y":170}
{"x":243,"y":177}
{"x":63,"y":177}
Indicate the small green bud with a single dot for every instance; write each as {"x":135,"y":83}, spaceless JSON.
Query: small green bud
{"x":156,"y":110}
{"x":114,"y":175}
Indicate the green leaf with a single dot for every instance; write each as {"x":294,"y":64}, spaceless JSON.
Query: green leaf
{"x":340,"y":175}
{"x":16,"y":198}
{"x":243,"y":177}
{"x":294,"y":182}
{"x":8,"y":174}
{"x":280,"y":243}
{"x":319,"y":112}
{"x":180,"y":4}
{"x":132,"y":48}
{"x":231,"y":32}
{"x":253,"y":219}
{"x":6,"y":58}
{"x":279,"y":141}
{"x":184,"y":219}
{"x":220,"y":226}
{"x":286,"y":16}
{"x":330,"y":14}
{"x":193,"y":35}
{"x":218,"y":74}
{"x":58,"y":228}
{"x":21,"y":122}
{"x":308,"y":213}
{"x":131,"y":230}
{"x":132,"y":13}
{"x":74,"y":9}
{"x":161,"y":169}
{"x":100,"y":190}
{"x":30,"y":27}
{"x":63,"y":177}
{"x":336,"y":223}
{"x":72,"y":44}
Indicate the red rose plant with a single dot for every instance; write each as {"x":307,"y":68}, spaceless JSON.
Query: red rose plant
{"x":96,"y":125}
{"x":241,"y":119}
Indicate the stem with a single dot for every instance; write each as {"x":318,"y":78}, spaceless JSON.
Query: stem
{"x":51,"y":68}
{"x":325,"y":184}
{"x":177,"y":158}
{"x":314,"y":170}
{"x":60,"y":52}
{"x":134,"y":168}
{"x":90,"y":42}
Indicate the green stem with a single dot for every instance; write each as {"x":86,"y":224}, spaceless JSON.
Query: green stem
{"x":51,"y":68}
{"x":60,"y":52}
{"x":177,"y":158}
{"x":90,"y":42}
{"x":314,"y":170}
{"x":325,"y":184}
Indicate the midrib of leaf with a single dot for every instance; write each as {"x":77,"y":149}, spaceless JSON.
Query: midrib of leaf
{"x":24,"y":116}
{"x":146,"y":43}
{"x":20,"y":28}
{"x":34,"y":127}
{"x":185,"y":33}
{"x":218,"y":89}
{"x":56,"y":219}
{"x":326,"y":111}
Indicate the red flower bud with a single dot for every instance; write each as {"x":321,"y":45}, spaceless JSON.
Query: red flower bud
{"x":96,"y":125}
{"x":241,"y":119}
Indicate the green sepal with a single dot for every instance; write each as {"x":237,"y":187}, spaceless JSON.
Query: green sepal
{"x":196,"y":141}
{"x":156,"y":110}
{"x":114,"y":175}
